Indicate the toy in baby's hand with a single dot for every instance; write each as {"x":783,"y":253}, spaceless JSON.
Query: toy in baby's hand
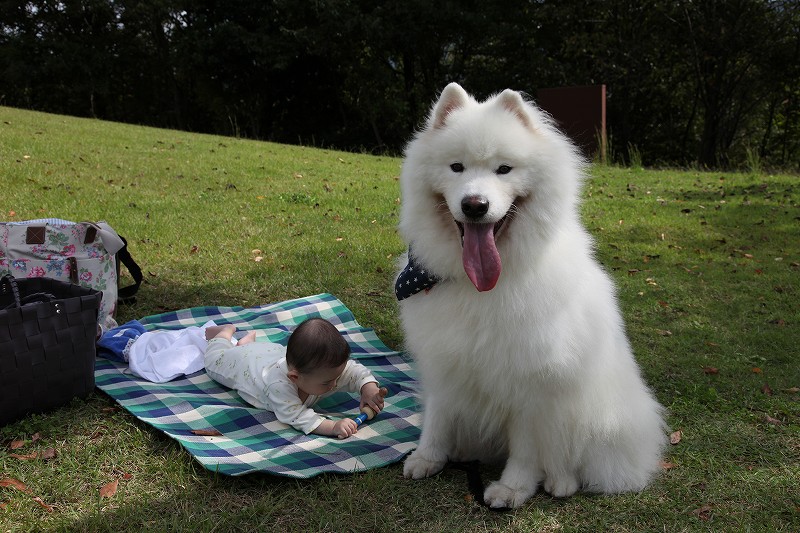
{"x":366,"y":412}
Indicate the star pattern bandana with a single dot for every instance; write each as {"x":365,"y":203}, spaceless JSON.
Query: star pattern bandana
{"x":413,"y":279}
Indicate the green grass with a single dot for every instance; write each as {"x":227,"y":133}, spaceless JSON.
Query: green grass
{"x":707,"y":266}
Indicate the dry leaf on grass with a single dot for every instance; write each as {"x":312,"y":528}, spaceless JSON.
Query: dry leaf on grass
{"x":704,"y":512}
{"x":14,"y":483}
{"x":667,"y":465}
{"x":41,"y":502}
{"x":19,"y":485}
{"x":109,"y":489}
{"x":48,"y":453}
{"x":25,"y":457}
{"x":675,"y":437}
{"x":17,"y":444}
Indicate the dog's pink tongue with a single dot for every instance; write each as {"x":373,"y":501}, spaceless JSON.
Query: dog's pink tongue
{"x":480,"y":256}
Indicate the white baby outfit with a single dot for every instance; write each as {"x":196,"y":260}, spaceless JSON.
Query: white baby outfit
{"x":258,"y":372}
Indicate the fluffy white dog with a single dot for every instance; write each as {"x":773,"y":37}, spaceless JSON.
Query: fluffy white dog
{"x":530,"y":365}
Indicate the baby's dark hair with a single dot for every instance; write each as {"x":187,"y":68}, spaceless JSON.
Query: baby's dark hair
{"x":316,"y":343}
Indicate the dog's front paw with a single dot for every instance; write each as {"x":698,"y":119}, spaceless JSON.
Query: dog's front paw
{"x":420,"y":465}
{"x":561,"y":487}
{"x":500,"y":496}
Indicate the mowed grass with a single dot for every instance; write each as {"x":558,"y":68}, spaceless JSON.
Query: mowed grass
{"x":707,"y":265}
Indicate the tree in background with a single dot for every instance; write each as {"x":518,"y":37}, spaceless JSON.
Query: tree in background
{"x":711,"y":83}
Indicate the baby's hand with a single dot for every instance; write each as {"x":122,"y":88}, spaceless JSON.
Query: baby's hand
{"x":372,"y":397}
{"x":344,"y":428}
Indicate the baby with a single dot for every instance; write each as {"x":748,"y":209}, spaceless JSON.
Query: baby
{"x":289,"y":381}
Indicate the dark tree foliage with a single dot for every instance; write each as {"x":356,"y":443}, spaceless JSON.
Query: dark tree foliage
{"x":711,"y":82}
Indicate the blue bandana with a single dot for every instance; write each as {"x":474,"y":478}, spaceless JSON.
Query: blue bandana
{"x":413,"y":279}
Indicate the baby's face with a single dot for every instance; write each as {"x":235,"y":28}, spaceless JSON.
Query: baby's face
{"x":319,"y":381}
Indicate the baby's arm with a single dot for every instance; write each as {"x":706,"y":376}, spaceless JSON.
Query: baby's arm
{"x":341,"y":428}
{"x":290,"y":410}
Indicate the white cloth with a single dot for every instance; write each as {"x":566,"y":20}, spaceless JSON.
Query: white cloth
{"x":258,"y":372}
{"x":164,"y":355}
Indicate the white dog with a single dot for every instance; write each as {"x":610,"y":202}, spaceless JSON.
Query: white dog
{"x":530,"y":365}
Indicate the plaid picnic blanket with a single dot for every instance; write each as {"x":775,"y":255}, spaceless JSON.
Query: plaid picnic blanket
{"x":245,"y":439}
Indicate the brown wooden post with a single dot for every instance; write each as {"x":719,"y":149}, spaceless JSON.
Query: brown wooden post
{"x":580,"y":112}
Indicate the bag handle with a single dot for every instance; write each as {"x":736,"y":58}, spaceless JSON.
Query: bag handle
{"x":9,"y":284}
{"x":127,"y":295}
{"x":35,"y":298}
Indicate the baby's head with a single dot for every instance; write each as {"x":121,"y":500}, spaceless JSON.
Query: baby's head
{"x":316,"y":356}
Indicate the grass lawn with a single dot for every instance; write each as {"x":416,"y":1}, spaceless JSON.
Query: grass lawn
{"x":707,"y":265}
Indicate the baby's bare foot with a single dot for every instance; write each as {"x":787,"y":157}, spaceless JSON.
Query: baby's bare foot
{"x":223,"y":332}
{"x":248,"y":338}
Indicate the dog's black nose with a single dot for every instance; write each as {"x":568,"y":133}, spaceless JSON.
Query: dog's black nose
{"x":474,"y":206}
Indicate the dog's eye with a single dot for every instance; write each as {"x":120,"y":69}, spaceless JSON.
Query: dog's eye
{"x":457,"y":167}
{"x":503,"y":169}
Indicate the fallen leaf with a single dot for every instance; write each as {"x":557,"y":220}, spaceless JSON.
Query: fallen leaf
{"x":207,"y":432}
{"x":36,"y":436}
{"x":766,"y":389}
{"x":12,"y":213}
{"x":109,"y":489}
{"x":664,"y":332}
{"x":704,"y":512}
{"x":14,"y":483}
{"x":126,"y":476}
{"x":667,"y":465}
{"x":709,"y":370}
{"x":194,"y":249}
{"x":675,"y":437}
{"x":771,"y":420}
{"x":756,"y":370}
{"x":17,"y":444}
{"x":40,"y":502}
{"x":792,"y":390}
{"x":26,"y":457}
{"x":48,"y":453}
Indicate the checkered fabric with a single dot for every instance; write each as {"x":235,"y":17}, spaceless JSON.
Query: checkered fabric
{"x":252,"y":439}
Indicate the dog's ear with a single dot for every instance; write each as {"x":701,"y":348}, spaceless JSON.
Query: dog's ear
{"x":512,"y":101}
{"x":453,"y":97}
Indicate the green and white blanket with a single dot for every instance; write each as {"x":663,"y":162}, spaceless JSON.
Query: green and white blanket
{"x":228,"y":436}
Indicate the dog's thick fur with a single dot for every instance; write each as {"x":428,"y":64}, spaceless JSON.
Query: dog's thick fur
{"x":530,"y":364}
